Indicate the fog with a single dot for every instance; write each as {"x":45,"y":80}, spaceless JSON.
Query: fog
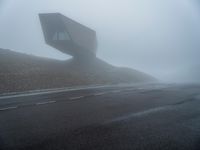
{"x":159,"y":37}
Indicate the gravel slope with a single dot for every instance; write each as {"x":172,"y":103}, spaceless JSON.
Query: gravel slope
{"x":21,"y":72}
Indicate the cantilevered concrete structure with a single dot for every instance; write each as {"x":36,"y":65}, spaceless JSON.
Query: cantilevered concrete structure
{"x":68,"y":36}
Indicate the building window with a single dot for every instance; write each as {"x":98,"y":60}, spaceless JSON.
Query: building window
{"x":61,"y":36}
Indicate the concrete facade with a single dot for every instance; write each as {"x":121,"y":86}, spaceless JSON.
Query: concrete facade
{"x":68,"y":36}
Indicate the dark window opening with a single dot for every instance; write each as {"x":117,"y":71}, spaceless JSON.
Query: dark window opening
{"x":61,"y":36}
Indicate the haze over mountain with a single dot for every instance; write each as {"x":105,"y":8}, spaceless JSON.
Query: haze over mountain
{"x":157,"y":37}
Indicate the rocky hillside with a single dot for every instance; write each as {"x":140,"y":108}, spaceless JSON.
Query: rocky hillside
{"x":21,"y":72}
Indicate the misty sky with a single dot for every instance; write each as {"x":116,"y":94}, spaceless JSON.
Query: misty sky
{"x":159,"y":37}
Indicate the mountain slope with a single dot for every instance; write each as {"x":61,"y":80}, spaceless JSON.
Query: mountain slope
{"x":21,"y":72}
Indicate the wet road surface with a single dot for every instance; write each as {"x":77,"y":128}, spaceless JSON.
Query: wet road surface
{"x":154,"y":116}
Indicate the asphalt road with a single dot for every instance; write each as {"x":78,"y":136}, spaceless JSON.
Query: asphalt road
{"x":142,"y":117}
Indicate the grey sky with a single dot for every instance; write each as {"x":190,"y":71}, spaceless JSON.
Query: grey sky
{"x":160,"y":37}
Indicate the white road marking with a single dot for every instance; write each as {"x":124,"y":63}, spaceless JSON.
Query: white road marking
{"x":43,"y":103}
{"x":116,"y":91}
{"x":58,"y":90}
{"x":49,"y":91}
{"x":7,"y":108}
{"x":142,"y":113}
{"x":78,"y":97}
{"x":99,"y":94}
{"x":129,"y":90}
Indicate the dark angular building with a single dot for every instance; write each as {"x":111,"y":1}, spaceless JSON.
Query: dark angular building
{"x":68,"y":36}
